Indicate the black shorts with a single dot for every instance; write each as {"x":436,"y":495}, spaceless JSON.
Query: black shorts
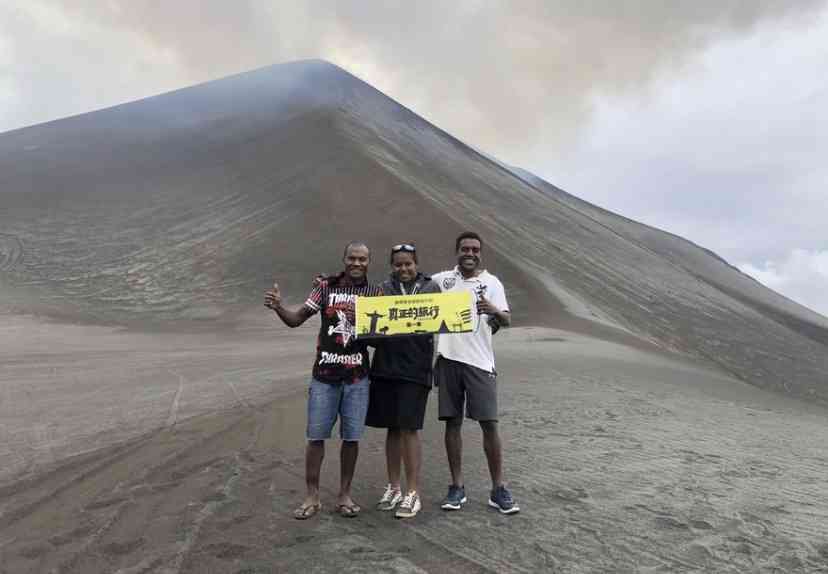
{"x":464,"y":385}
{"x":396,"y":404}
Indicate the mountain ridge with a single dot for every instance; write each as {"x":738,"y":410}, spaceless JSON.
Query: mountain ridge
{"x":180,"y":209}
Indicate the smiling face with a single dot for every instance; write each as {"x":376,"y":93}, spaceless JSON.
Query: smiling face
{"x":356,"y":260}
{"x":404,"y":266}
{"x":468,"y":255}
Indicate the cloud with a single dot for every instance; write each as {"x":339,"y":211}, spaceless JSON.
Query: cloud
{"x":58,"y":64}
{"x":801,"y":276}
{"x":727,"y":154}
{"x":7,"y":81}
{"x":504,"y":77}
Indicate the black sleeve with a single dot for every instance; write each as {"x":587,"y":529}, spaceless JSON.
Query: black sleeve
{"x":430,"y":287}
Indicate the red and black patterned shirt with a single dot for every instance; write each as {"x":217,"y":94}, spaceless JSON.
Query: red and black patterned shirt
{"x":339,"y":357}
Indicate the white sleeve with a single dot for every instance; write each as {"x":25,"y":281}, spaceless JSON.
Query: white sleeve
{"x":498,"y":295}
{"x":438,"y":279}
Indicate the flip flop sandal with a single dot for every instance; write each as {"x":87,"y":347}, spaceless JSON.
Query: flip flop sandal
{"x":305,"y":512}
{"x":348,"y":510}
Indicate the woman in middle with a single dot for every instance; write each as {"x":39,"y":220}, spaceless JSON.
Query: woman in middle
{"x":400,"y":382}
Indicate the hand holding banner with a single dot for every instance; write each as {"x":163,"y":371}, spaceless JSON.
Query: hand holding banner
{"x":398,"y":315}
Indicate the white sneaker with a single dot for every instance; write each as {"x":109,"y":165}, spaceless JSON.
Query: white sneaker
{"x":410,"y":505}
{"x":390,"y":498}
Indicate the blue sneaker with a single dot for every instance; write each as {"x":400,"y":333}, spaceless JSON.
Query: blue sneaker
{"x":501,"y":499}
{"x":455,"y":499}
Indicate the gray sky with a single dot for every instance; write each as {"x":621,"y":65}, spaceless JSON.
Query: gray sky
{"x":703,"y":118}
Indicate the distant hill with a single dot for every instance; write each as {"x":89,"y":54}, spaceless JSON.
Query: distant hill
{"x":179,"y":210}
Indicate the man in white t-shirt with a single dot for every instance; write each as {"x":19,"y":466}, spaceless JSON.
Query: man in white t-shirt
{"x":465,"y":372}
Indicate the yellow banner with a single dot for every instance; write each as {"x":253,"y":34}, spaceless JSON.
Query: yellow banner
{"x":413,"y":314}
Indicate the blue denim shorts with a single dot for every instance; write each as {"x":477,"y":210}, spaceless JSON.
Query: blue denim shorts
{"x":348,"y":401}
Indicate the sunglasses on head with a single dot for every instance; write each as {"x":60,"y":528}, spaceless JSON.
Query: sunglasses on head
{"x":403,"y":247}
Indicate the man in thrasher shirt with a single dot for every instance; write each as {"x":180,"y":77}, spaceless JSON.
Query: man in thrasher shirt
{"x":465,"y":373}
{"x":339,"y":386}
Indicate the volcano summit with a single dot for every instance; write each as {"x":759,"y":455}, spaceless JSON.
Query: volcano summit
{"x":136,"y":243}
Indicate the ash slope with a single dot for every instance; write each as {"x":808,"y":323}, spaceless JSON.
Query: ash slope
{"x":622,"y":461}
{"x":183,"y":206}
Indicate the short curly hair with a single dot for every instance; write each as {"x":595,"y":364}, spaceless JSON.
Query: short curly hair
{"x":356,"y":244}
{"x":467,"y":235}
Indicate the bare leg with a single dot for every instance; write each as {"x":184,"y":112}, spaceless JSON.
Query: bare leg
{"x":454,"y":449}
{"x":412,"y":454}
{"x":393,"y":456}
{"x":314,"y":453}
{"x":347,"y":464}
{"x":494,"y":455}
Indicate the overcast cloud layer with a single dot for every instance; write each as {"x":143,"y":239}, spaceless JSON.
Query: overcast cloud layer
{"x":697,"y":117}
{"x":728,"y":154}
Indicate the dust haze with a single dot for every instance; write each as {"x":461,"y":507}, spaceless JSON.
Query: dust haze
{"x":503,"y":79}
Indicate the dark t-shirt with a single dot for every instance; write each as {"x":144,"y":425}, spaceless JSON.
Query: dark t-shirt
{"x":339,"y":357}
{"x":404,"y":358}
